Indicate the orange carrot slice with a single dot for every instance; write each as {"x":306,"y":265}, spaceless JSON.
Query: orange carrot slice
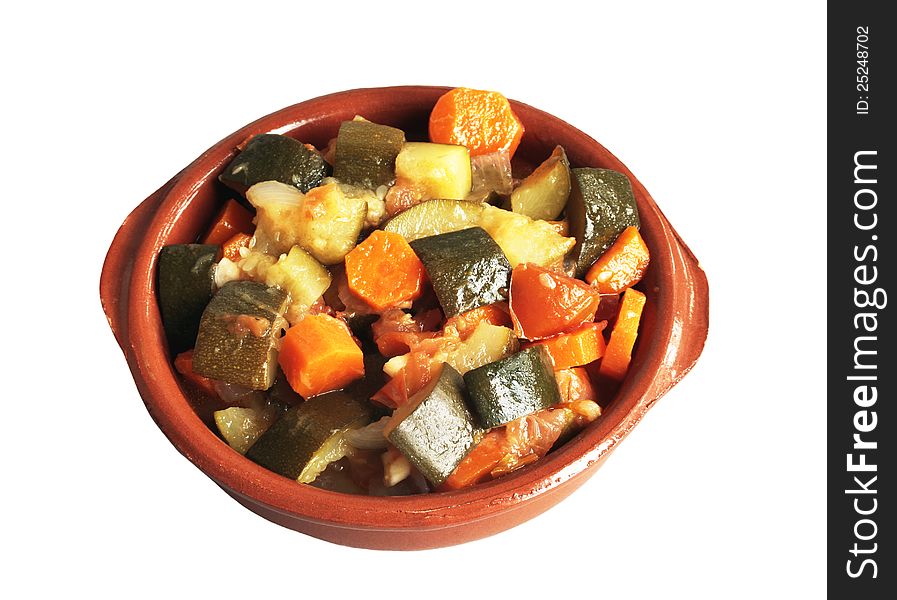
{"x":520,"y":442}
{"x":579,"y":347}
{"x":231,"y":248}
{"x":319,"y":355}
{"x":622,"y":265}
{"x":478,"y":463}
{"x":384,"y":271}
{"x":619,"y":350}
{"x":483,"y":121}
{"x":231,"y":220}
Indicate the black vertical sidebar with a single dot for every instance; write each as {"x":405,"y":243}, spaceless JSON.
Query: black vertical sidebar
{"x":861,"y":366}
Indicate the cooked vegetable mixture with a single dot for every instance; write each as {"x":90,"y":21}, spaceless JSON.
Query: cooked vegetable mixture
{"x":393,"y":317}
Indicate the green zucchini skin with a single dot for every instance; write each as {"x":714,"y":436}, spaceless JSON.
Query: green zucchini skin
{"x":186,"y":284}
{"x":238,"y":334}
{"x":274,"y":157}
{"x":292,"y":441}
{"x":601,"y":206}
{"x":366,"y":153}
{"x":434,"y":217}
{"x":467,"y":269}
{"x":512,"y":387}
{"x":440,"y":430}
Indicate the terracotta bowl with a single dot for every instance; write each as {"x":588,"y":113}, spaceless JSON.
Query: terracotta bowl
{"x":672,"y":336}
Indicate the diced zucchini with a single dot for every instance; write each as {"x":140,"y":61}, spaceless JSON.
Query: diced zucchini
{"x":512,"y":387}
{"x":302,"y":276}
{"x":333,"y":219}
{"x":466,"y":268}
{"x":237,"y":340}
{"x":310,"y":436}
{"x":186,"y":284}
{"x":601,"y":206}
{"x":435,"y":429}
{"x":366,"y":153}
{"x":434,"y":217}
{"x":325,"y":222}
{"x":437,"y":170}
{"x":524,"y":240}
{"x":241,"y":426}
{"x":544,"y":193}
{"x":488,"y":343}
{"x":273,"y":157}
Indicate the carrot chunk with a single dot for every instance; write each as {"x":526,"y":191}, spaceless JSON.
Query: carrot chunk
{"x":319,"y":355}
{"x":619,"y":349}
{"x":384,"y":271}
{"x":545,"y":303}
{"x":622,"y":265}
{"x":483,"y":121}
{"x":579,"y":347}
{"x":231,"y":248}
{"x":476,"y":466}
{"x":232,"y":219}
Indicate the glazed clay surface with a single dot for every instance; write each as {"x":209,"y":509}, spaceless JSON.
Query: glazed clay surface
{"x":671,"y":337}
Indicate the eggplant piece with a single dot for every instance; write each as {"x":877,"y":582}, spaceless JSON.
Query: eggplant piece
{"x":238,"y":333}
{"x":524,"y":240}
{"x":466,"y":268}
{"x":310,"y":436}
{"x":186,"y":284}
{"x":435,"y":429}
{"x":325,"y":222}
{"x":274,"y":157}
{"x":601,"y":206}
{"x":513,"y":387}
{"x":544,"y":193}
{"x":366,"y":153}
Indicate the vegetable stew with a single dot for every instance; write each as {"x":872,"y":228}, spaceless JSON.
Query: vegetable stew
{"x":388,"y":316}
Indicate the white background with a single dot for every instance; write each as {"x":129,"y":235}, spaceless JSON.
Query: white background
{"x":719,"y":111}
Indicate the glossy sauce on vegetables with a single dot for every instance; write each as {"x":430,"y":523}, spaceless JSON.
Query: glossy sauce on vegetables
{"x":411,"y":324}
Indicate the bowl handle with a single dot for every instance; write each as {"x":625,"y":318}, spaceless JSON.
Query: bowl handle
{"x":691,"y":320}
{"x":116,"y":276}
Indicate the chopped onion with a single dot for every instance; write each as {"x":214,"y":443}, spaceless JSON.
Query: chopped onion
{"x":396,"y":467}
{"x":396,"y":364}
{"x":370,"y":437}
{"x":226,"y":271}
{"x":255,"y":264}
